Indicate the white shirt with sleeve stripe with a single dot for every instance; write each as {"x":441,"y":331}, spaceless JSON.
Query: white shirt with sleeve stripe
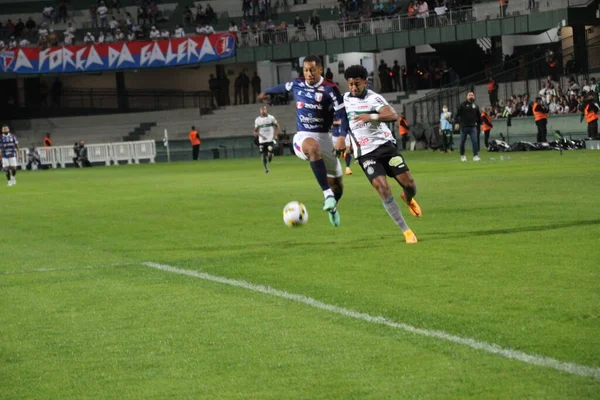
{"x":266,"y":128}
{"x":365,"y":138}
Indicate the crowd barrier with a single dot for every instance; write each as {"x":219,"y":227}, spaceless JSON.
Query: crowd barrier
{"x":109,"y":154}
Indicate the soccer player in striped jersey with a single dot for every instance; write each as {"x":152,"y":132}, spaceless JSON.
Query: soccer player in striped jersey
{"x":10,"y":152}
{"x":375,"y":147}
{"x":266,"y":129}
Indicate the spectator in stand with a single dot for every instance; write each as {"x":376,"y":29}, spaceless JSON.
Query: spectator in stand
{"x":100,"y":38}
{"x":12,"y":43}
{"x":179,"y":32}
{"x":211,"y":16}
{"x":71,"y":28}
{"x":30,"y":25}
{"x":62,"y":12}
{"x":89,"y":39}
{"x":48,"y":14}
{"x":187,"y":16}
{"x":109,"y":38}
{"x":377,"y":9}
{"x":2,"y":45}
{"x":128,"y":21}
{"x":315,"y":22}
{"x":68,"y":38}
{"x":299,"y":24}
{"x":165,"y":34}
{"x":154,"y":33}
{"x":329,"y":74}
{"x":584,"y":89}
{"x":246,"y":8}
{"x":103,"y":15}
{"x":119,"y":36}
{"x":24,"y":43}
{"x":594,"y":86}
{"x":153,"y":12}
{"x":52,"y":38}
{"x":19,"y":28}
{"x":574,"y":87}
{"x":244,"y":31}
{"x":94,"y":16}
{"x":131,"y":35}
{"x":43,"y":32}
{"x":116,"y":5}
{"x":113,"y":24}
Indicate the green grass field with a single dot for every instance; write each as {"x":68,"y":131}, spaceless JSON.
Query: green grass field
{"x":508,"y":255}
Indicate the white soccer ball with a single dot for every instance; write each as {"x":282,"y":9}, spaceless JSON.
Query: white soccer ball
{"x":295,"y":214}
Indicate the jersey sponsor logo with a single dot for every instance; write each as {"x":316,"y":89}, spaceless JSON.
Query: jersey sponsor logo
{"x":300,"y":104}
{"x":397,"y":161}
{"x":363,"y":141}
{"x":368,"y":163}
{"x":318,"y":96}
{"x":310,"y":119}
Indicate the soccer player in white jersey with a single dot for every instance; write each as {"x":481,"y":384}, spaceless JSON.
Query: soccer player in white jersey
{"x":266,"y":129}
{"x":10,"y":152}
{"x":375,"y":147}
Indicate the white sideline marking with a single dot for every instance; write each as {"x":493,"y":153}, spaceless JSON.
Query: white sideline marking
{"x":571,"y":368}
{"x":27,"y":271}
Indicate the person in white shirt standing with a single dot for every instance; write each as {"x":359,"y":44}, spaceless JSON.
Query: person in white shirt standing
{"x":103,"y":15}
{"x":266,"y":129}
{"x":375,"y":147}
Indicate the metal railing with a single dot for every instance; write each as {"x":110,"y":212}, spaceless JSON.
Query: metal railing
{"x":529,"y":77}
{"x":346,"y":29}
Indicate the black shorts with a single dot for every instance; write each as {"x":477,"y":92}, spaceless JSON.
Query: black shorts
{"x":266,"y":147}
{"x":385,"y":160}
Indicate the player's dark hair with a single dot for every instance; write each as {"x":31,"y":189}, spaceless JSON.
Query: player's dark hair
{"x":356,"y":71}
{"x":193,"y":128}
{"x":315,"y":59}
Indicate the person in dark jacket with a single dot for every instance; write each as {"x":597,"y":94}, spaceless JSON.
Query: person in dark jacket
{"x":468,"y":120}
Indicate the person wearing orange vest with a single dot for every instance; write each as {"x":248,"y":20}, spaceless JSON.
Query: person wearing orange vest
{"x":195,"y":140}
{"x":47,"y":141}
{"x":403,"y":130}
{"x":486,"y":126}
{"x":540,"y":113}
{"x":493,"y":92}
{"x":503,"y":7}
{"x":591,"y":117}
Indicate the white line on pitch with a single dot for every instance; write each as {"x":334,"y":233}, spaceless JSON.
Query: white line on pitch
{"x":571,"y":368}
{"x":27,"y":271}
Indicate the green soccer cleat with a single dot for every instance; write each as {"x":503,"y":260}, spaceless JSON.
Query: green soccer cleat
{"x":334,"y":217}
{"x":329,"y":204}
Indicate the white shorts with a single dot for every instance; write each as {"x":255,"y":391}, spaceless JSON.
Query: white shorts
{"x":9,"y":162}
{"x":334,"y":168}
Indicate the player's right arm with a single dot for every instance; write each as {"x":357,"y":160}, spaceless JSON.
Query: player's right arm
{"x":282,"y":88}
{"x":256,"y":127}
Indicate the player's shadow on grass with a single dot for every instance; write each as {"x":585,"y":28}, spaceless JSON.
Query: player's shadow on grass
{"x":509,"y":231}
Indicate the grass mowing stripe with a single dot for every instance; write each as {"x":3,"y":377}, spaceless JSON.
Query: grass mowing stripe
{"x":571,"y":368}
{"x":27,"y":271}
